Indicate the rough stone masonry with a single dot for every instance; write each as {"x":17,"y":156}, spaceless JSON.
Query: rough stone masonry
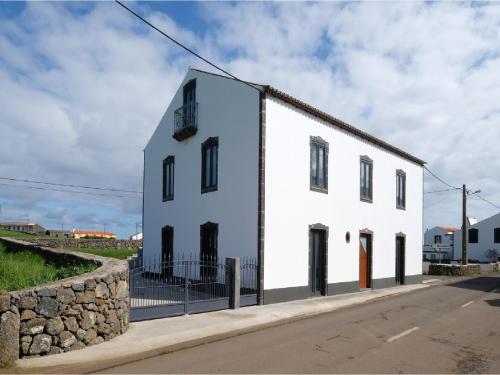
{"x":66,"y":315}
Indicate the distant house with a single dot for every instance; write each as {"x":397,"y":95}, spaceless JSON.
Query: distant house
{"x":22,"y":227}
{"x":137,"y":236}
{"x":58,"y":233}
{"x":483,"y":239}
{"x":438,"y":243}
{"x":93,"y":234}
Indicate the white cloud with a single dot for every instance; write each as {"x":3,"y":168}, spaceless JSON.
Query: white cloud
{"x":82,"y":93}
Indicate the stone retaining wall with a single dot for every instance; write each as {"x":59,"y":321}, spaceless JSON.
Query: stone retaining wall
{"x":454,"y":269}
{"x":64,"y":243}
{"x":65,"y":315}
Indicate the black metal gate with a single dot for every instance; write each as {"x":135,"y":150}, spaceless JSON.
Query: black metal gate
{"x":163,"y":288}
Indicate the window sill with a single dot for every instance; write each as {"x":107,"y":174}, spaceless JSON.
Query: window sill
{"x":318,"y":189}
{"x":208,"y":189}
{"x":166,"y":199}
{"x":366,"y":200}
{"x":403,"y":208}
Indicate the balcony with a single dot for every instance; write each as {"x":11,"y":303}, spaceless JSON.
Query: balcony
{"x":186,"y":121}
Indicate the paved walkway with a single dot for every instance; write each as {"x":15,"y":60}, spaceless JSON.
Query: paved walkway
{"x":155,"y":337}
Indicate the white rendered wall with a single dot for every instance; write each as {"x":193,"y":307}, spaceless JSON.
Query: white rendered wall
{"x":290,"y":207}
{"x":228,"y":110}
{"x":486,"y":240}
{"x":446,"y":240}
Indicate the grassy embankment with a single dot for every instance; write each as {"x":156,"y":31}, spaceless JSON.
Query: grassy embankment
{"x":15,"y":234}
{"x":25,"y":269}
{"x":107,"y":252}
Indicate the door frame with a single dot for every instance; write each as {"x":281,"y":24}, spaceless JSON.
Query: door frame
{"x":401,"y":280}
{"x":324,"y":258}
{"x":369,"y":250}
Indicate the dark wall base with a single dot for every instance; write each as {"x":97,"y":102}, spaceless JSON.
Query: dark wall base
{"x":343,"y":288}
{"x":303,"y":292}
{"x":413,"y":279}
{"x":286,"y":294}
{"x":385,"y":282}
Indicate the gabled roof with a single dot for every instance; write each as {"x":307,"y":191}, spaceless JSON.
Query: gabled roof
{"x":267,"y":89}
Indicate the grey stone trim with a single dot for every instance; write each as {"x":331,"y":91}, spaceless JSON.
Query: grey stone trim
{"x":261,"y":197}
{"x":400,"y":172}
{"x":319,"y":226}
{"x":320,"y":141}
{"x":343,"y":287}
{"x":413,"y":279}
{"x":286,"y":294}
{"x":385,"y":282}
{"x":366,"y":159}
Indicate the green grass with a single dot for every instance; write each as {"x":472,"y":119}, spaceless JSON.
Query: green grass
{"x":25,"y":269}
{"x":15,"y":234}
{"x":107,"y":252}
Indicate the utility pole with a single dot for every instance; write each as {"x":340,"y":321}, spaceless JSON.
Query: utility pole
{"x":464,"y":225}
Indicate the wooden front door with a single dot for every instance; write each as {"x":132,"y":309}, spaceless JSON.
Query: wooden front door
{"x":400,"y":260}
{"x":365,"y":258}
{"x":318,"y":262}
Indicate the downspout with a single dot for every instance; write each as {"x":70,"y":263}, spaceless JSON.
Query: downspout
{"x":261,"y":196}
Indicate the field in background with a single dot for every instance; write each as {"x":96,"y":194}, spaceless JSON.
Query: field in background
{"x":107,"y":252}
{"x":26,"y":269}
{"x":15,"y":234}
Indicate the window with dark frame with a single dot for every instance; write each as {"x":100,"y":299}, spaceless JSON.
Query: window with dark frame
{"x":209,"y":164}
{"x":437,"y":239}
{"x":168,"y":178}
{"x":366,"y":179}
{"x":319,"y":165}
{"x":496,"y":236}
{"x":400,"y":189}
{"x":473,"y":235}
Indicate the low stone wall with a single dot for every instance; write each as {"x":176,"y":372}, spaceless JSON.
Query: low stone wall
{"x":65,"y":315}
{"x":84,"y":243}
{"x":454,"y":269}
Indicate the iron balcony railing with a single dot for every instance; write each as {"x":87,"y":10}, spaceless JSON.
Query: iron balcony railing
{"x":186,"y":120}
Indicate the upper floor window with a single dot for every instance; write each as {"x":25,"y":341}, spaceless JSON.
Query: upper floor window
{"x":366,"y":179}
{"x":437,"y":239}
{"x":186,"y":117}
{"x":473,"y":235}
{"x":209,"y":164}
{"x":496,"y":232}
{"x":319,"y":164}
{"x":168,"y":178}
{"x":400,"y":189}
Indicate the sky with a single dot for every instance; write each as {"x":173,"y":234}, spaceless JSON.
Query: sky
{"x":83,"y":86}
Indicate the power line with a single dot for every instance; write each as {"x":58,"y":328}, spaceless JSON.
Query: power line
{"x":70,"y":191}
{"x":486,"y":200}
{"x":69,"y":185}
{"x":184,"y":47}
{"x":440,"y":179}
{"x":440,"y":191}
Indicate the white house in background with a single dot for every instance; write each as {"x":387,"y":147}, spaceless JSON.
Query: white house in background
{"x":483,"y":239}
{"x":137,"y":236}
{"x":438,"y":243}
{"x":237,"y":169}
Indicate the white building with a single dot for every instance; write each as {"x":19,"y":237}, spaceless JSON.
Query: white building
{"x":439,"y":243}
{"x":483,"y":239}
{"x":239,"y":170}
{"x":136,"y":236}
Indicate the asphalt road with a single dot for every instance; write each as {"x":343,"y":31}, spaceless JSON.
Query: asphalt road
{"x":442,"y":329}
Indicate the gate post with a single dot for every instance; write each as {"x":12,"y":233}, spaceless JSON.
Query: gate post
{"x":186,"y":288}
{"x":233,"y":281}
